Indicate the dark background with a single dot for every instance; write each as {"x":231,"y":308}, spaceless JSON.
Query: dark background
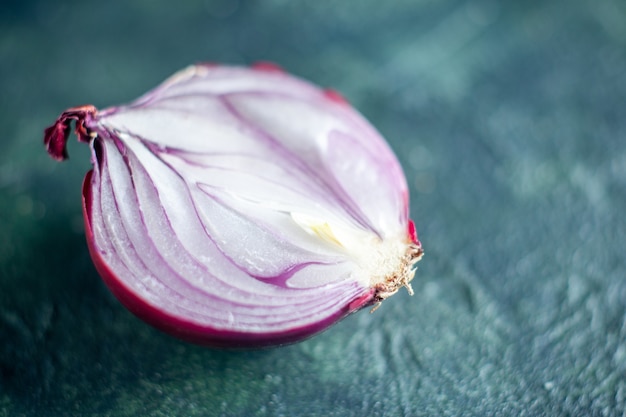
{"x":509,"y":119}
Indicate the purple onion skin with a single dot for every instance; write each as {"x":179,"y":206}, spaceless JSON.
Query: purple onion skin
{"x":91,"y":127}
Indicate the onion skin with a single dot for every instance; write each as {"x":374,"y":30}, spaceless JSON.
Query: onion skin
{"x":109,"y":143}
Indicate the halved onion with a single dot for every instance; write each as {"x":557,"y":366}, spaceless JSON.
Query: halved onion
{"x":242,"y":206}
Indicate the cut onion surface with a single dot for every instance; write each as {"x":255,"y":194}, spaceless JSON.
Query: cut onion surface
{"x":242,"y":207}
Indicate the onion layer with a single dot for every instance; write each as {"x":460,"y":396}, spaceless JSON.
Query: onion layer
{"x":242,"y":206}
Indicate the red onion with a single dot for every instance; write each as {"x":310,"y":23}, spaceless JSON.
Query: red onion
{"x":242,"y":206}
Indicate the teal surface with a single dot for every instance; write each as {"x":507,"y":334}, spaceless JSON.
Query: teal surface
{"x":510,"y":121}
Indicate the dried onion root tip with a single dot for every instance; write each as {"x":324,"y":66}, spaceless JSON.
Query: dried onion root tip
{"x":242,"y":207}
{"x":401,"y":278}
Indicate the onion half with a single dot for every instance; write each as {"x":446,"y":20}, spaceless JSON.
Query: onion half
{"x":242,"y":207}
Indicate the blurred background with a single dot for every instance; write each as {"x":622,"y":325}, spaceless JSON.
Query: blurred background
{"x":509,"y":119}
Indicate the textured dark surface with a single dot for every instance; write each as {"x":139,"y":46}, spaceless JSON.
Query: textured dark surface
{"x":509,"y":119}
